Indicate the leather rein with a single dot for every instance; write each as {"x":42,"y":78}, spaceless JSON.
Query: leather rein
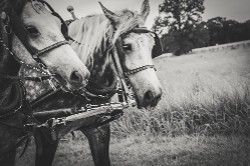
{"x":110,"y":110}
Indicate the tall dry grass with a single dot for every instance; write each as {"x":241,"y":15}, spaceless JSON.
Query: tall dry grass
{"x":203,"y":94}
{"x":197,"y":102}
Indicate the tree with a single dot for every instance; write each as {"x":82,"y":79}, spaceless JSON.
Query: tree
{"x":223,"y":31}
{"x":181,"y":26}
{"x":215,"y":26}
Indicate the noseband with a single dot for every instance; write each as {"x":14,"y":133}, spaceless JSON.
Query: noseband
{"x":138,"y":69}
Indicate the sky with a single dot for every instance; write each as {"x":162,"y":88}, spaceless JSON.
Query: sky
{"x":238,"y":10}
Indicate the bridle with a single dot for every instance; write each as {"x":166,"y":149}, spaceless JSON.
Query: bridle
{"x":122,"y":73}
{"x":14,"y":25}
{"x":22,"y":34}
{"x":156,"y":51}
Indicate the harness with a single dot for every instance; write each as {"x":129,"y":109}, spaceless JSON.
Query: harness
{"x":99,"y":114}
{"x":13,"y":25}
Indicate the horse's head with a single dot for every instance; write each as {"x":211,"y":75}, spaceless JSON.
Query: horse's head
{"x":42,"y":31}
{"x":136,"y":47}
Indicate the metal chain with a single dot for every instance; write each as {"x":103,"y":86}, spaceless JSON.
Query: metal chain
{"x":44,"y":71}
{"x":41,"y":70}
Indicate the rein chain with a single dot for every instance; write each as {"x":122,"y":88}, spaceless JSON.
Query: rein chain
{"x":44,"y":71}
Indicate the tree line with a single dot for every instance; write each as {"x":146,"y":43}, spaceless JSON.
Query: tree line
{"x":181,"y":28}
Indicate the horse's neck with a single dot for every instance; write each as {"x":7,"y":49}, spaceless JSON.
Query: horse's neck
{"x":102,"y":70}
{"x":93,"y":32}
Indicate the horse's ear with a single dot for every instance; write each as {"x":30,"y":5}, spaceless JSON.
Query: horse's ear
{"x":145,"y":9}
{"x":109,"y":14}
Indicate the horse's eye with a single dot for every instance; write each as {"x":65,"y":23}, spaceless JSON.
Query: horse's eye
{"x":127,"y":47}
{"x":32,"y":30}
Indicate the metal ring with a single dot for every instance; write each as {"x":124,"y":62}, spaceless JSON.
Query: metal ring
{"x":7,"y":29}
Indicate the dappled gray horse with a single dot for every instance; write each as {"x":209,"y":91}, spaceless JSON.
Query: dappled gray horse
{"x":32,"y":36}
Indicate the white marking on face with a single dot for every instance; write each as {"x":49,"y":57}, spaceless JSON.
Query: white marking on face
{"x":140,"y":55}
{"x":141,"y":50}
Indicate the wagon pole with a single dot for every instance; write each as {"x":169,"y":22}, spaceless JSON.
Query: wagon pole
{"x":90,"y":110}
{"x":63,"y":121}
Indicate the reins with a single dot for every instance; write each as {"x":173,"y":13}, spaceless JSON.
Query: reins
{"x":101,"y":114}
{"x":105,"y":112}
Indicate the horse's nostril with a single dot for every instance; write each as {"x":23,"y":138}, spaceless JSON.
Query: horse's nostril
{"x":76,"y":77}
{"x":157,"y":98}
{"x":148,"y":97}
{"x":152,"y":98}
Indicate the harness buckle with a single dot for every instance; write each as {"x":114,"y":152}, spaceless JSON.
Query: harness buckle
{"x":7,"y":29}
{"x":52,"y":85}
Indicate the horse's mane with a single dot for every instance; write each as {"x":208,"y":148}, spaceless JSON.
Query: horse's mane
{"x":8,"y":5}
{"x":91,"y":31}
{"x":97,"y":34}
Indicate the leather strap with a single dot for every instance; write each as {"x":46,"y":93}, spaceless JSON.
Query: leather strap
{"x":138,"y":69}
{"x":47,"y":49}
{"x":36,"y":79}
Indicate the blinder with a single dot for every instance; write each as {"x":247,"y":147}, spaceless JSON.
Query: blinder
{"x":157,"y":49}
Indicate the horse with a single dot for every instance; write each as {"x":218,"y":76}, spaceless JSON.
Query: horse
{"x":34,"y":36}
{"x":103,"y":42}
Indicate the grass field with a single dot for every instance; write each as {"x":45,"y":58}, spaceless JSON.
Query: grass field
{"x":202,"y":119}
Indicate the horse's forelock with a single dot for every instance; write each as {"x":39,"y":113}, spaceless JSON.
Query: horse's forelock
{"x":132,"y":20}
{"x":92,"y":33}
